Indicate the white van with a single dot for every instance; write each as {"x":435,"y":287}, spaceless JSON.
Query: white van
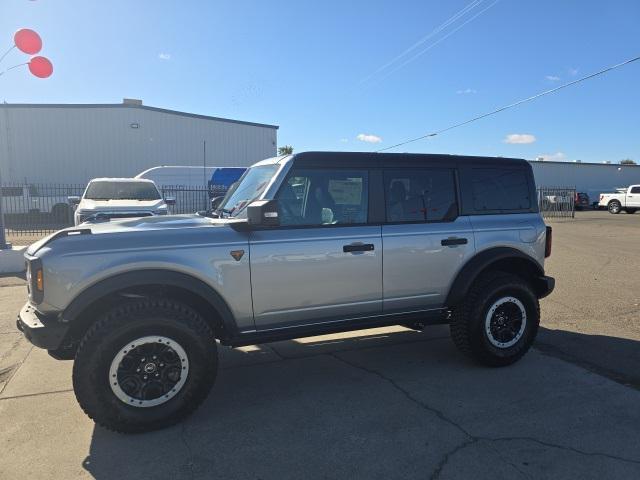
{"x":178,"y":176}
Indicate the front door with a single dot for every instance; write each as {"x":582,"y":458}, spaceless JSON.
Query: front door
{"x":633,"y":197}
{"x":425,"y":241}
{"x":324,"y":263}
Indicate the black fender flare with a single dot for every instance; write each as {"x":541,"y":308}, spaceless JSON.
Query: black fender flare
{"x":470,"y":271}
{"x":148,"y":277}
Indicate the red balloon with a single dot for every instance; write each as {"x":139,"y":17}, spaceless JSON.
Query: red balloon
{"x":28,"y":41}
{"x":41,"y":67}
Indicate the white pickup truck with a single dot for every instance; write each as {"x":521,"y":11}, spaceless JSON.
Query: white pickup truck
{"x":627,"y":199}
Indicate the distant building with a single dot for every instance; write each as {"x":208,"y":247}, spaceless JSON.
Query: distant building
{"x":72,"y":143}
{"x":591,"y":178}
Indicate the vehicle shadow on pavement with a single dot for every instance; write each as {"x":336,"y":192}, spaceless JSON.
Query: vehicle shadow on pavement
{"x":386,"y":405}
{"x":613,"y":357}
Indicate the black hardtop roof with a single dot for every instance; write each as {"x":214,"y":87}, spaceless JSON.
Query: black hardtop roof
{"x":400,"y":159}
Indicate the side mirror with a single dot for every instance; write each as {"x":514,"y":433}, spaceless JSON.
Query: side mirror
{"x":215,"y":202}
{"x":263,"y":213}
{"x":170,"y":200}
{"x":73,"y":200}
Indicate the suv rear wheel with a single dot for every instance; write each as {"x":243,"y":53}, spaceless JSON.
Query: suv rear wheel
{"x":145,"y":365}
{"x":498,"y":320}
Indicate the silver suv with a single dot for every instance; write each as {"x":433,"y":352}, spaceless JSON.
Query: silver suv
{"x":304,"y":244}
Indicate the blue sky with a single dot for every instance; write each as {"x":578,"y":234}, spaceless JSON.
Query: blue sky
{"x":314,"y":68}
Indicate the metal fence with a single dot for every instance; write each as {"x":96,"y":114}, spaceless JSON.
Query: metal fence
{"x":40,"y":209}
{"x":557,"y":202}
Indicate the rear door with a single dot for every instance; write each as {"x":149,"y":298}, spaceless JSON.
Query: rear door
{"x":425,"y":240}
{"x":324,"y":262}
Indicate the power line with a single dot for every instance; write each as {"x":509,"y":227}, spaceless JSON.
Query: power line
{"x":434,"y":32}
{"x":511,"y":105}
{"x":430,"y":46}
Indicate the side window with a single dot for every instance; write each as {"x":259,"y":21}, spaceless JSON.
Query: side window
{"x":420,"y":195}
{"x":323,"y":197}
{"x":635,"y":189}
{"x":500,"y":189}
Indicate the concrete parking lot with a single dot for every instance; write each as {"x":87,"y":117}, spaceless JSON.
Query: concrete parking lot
{"x":383,"y":403}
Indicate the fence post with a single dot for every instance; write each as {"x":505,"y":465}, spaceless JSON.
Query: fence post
{"x":3,"y":239}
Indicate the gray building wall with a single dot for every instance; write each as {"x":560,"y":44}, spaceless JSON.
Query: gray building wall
{"x":74,"y":143}
{"x":591,"y":178}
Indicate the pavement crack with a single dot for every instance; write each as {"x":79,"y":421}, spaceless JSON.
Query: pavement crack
{"x":406,"y":393}
{"x":562,"y":447}
{"x":447,"y":456}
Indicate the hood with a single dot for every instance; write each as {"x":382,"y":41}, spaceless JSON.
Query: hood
{"x":166,"y":223}
{"x":119,"y":205}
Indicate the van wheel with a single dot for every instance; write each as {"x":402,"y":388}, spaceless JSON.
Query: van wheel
{"x":497,"y":321}
{"x":145,"y":365}
{"x":614,"y":207}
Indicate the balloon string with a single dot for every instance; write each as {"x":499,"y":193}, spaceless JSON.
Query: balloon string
{"x":7,"y":52}
{"x":15,"y":66}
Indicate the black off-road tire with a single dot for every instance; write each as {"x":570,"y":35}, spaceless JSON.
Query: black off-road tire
{"x":614,"y":207}
{"x":124,"y":324}
{"x":468,"y":319}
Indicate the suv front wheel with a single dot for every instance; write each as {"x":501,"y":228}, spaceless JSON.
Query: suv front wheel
{"x":497,"y":321}
{"x":145,"y":365}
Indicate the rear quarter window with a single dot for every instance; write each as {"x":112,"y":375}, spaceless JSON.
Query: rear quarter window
{"x":497,"y":189}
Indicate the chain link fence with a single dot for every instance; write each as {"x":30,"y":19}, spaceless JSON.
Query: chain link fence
{"x":557,"y":202}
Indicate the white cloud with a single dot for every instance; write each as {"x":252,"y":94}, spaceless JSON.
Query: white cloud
{"x":466,"y":91}
{"x":573,"y":72}
{"x":552,"y":78}
{"x":164,"y":56}
{"x":369,"y":138}
{"x":519,"y":138}
{"x":553,"y":157}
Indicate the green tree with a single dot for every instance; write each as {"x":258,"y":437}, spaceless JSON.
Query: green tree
{"x":627,"y":161}
{"x":286,"y":150}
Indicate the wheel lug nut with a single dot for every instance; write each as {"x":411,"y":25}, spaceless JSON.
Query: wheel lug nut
{"x":138,"y":370}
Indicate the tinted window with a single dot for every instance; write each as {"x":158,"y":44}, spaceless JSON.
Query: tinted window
{"x":122,"y":191}
{"x":635,"y":189}
{"x":420,"y":195}
{"x":323,"y":197}
{"x":500,"y":189}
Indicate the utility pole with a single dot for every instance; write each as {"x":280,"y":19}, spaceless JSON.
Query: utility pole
{"x":204,"y":172}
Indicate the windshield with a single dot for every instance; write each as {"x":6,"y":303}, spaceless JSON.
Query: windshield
{"x":247,"y":189}
{"x":122,"y":191}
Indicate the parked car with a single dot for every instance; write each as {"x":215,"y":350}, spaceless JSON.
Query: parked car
{"x":337,"y":241}
{"x":581,"y":201}
{"x":106,"y":198}
{"x":24,"y":199}
{"x":627,"y":199}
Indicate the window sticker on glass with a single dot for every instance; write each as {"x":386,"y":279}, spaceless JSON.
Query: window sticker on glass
{"x":346,"y":192}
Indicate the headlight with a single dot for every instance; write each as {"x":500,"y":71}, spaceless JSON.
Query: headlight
{"x":162,"y":210}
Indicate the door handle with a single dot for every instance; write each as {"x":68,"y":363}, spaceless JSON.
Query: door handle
{"x":358,"y":247}
{"x":452,"y":241}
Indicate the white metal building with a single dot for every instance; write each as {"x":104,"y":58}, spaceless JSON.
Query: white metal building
{"x":591,"y":178}
{"x":72,"y":143}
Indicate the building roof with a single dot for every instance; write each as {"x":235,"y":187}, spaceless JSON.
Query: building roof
{"x":130,"y":104}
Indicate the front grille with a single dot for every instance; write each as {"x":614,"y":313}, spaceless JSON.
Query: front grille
{"x":106,"y":215}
